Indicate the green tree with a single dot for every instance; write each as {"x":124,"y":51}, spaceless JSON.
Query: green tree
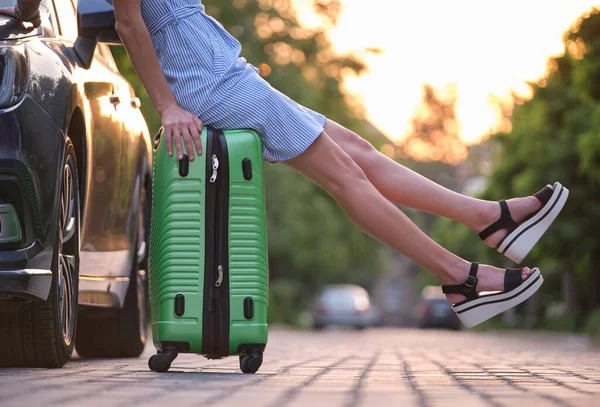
{"x":432,"y":146}
{"x":555,"y":136}
{"x":434,"y":133}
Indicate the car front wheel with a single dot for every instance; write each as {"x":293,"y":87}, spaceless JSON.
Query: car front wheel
{"x":42,"y":334}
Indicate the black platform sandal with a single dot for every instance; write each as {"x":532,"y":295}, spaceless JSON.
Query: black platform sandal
{"x":523,"y":236}
{"x":479,"y":308}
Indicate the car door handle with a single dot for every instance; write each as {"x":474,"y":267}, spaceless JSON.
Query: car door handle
{"x":136,"y":103}
{"x":115,"y":99}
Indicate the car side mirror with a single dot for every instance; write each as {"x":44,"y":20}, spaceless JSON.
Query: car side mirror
{"x":96,"y":23}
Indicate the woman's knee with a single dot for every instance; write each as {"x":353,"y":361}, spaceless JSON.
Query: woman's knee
{"x":360,"y":145}
{"x":346,"y":178}
{"x":327,"y":164}
{"x":351,"y":142}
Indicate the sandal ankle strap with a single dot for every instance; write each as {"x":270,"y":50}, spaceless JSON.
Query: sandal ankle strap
{"x":468,"y":288}
{"x":505,"y":222}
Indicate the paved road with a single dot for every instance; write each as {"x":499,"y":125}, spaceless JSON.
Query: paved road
{"x":387,"y":367}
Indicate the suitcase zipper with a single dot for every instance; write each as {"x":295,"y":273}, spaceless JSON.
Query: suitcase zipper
{"x":222,"y":250}
{"x":216,"y":329}
{"x":210,"y":301}
{"x":220,"y":276}
{"x":215,"y":167}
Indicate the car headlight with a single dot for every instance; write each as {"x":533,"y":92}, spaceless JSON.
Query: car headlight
{"x":13,"y":75}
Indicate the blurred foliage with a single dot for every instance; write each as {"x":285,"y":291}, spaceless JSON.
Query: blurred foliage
{"x":311,"y":241}
{"x":432,"y":146}
{"x":434,"y":132}
{"x":592,"y":326}
{"x":555,"y":136}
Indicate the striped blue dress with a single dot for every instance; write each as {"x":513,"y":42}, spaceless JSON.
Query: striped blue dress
{"x":203,"y":67}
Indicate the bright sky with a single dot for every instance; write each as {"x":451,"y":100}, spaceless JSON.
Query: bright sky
{"x":485,"y":47}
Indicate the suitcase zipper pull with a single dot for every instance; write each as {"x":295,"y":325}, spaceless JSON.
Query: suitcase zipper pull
{"x":220,"y":279}
{"x":215,"y":167}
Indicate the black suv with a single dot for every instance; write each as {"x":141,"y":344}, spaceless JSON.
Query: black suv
{"x":75,"y":179}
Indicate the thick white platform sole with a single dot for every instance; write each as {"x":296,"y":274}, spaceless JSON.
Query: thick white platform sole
{"x":520,"y":241}
{"x":474,"y":312}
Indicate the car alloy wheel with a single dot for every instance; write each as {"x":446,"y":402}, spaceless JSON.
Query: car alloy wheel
{"x":67,"y":261}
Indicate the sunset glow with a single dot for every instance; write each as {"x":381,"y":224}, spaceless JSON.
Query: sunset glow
{"x":487,"y":48}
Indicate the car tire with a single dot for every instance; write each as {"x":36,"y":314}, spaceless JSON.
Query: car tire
{"x":118,"y":333}
{"x":42,"y":334}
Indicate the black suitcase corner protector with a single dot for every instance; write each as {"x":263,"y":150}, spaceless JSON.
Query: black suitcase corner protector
{"x":179,"y":305}
{"x":183,"y":347}
{"x":248,"y":308}
{"x":247,"y":169}
{"x":249,"y":347}
{"x":184,"y":166}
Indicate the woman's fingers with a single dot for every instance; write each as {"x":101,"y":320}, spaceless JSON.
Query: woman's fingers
{"x":199,"y":124}
{"x":187,"y":139}
{"x":177,"y":137}
{"x":177,"y":124}
{"x":36,"y":22}
{"x":196,"y":136}
{"x":195,"y":130}
{"x":169,"y":139}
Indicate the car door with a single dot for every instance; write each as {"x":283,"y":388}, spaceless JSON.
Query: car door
{"x":103,"y":251}
{"x":126,"y":199}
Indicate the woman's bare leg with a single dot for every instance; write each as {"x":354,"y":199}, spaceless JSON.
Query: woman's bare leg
{"x":326,"y":164}
{"x":407,"y":188}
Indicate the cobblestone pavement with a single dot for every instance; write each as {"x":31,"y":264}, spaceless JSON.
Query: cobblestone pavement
{"x":379,"y":367}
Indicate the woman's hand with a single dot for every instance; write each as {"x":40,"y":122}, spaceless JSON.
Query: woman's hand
{"x":14,"y":12}
{"x":178,"y":123}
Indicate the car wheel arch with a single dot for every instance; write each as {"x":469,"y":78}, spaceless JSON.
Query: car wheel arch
{"x":76,"y":131}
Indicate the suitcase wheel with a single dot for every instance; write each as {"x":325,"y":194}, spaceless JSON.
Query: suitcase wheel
{"x":251,"y":363}
{"x":161,"y":362}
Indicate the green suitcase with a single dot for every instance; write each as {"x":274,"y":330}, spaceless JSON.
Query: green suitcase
{"x":208,"y":251}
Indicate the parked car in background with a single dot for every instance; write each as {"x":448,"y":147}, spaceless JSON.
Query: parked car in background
{"x":75,"y":179}
{"x":344,"y":305}
{"x":434,"y":310}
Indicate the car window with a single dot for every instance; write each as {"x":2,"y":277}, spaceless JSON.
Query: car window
{"x":338,"y":298}
{"x":344,"y":297}
{"x":67,"y":18}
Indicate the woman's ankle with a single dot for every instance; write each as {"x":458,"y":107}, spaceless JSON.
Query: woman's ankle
{"x":482,"y":215}
{"x":454,"y":271}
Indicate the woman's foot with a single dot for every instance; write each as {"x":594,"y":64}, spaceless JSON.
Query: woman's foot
{"x":472,"y":307}
{"x":488,"y":279}
{"x":520,"y":209}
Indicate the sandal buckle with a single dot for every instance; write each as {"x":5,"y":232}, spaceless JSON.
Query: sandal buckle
{"x":471,"y":282}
